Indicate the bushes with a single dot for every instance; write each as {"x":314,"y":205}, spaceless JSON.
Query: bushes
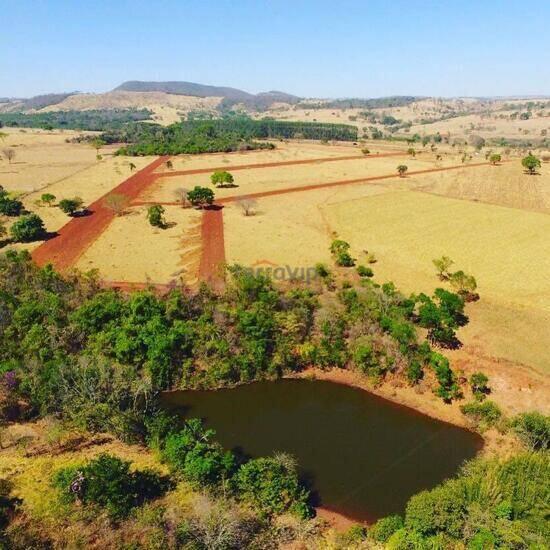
{"x":200,"y":196}
{"x":155,"y":215}
{"x":27,"y":228}
{"x":533,"y":429}
{"x":9,"y":206}
{"x":384,"y":528}
{"x":70,"y":206}
{"x":108,"y":483}
{"x":192,"y":453}
{"x":478,"y":384}
{"x":340,"y":252}
{"x":222,"y":178}
{"x":484,"y":415}
{"x":363,"y":271}
{"x":271,"y":485}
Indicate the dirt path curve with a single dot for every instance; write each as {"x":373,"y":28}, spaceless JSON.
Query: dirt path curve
{"x":275,"y":164}
{"x":213,"y":248}
{"x":74,"y":238}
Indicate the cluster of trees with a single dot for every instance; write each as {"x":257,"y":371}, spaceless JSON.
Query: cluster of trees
{"x":28,"y":227}
{"x":94,"y":120}
{"x":220,"y":135}
{"x":270,"y":484}
{"x":492,"y":504}
{"x":464,"y":283}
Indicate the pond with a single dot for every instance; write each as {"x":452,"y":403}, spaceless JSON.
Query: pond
{"x":363,"y":456}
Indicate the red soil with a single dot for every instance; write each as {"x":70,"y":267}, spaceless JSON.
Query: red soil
{"x":213,"y":248}
{"x":75,"y":237}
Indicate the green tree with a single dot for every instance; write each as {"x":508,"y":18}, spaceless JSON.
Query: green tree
{"x":495,"y":158}
{"x":401,"y":169}
{"x":533,"y":429}
{"x":411,"y":152}
{"x":478,"y":384}
{"x":132,"y":166}
{"x":155,"y":215}
{"x":200,"y":196}
{"x":531,"y":163}
{"x":464,"y":284}
{"x":48,"y":198}
{"x":340,"y":251}
{"x":71,"y":206}
{"x":272,"y":487}
{"x":221,"y":178}
{"x":442,"y":265}
{"x":27,"y":228}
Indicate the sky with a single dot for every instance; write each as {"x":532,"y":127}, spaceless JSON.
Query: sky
{"x":311,"y":48}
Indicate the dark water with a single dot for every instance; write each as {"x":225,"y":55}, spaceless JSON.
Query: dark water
{"x":363,"y":455}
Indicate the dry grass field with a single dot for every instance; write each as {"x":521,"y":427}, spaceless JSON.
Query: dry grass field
{"x":133,"y":251}
{"x":492,"y":220}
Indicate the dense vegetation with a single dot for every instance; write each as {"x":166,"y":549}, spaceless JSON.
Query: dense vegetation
{"x":93,"y":120}
{"x":97,"y":359}
{"x":226,"y":134}
{"x":358,"y":103}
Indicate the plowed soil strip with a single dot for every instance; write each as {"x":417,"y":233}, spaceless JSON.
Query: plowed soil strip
{"x":213,"y":248}
{"x":274,"y":164}
{"x":74,"y":238}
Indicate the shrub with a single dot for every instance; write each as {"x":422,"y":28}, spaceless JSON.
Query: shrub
{"x":70,"y":206}
{"x":27,"y":228}
{"x":9,"y":206}
{"x":484,"y":414}
{"x":531,"y":163}
{"x":48,"y":198}
{"x":440,"y":510}
{"x":155,"y":215}
{"x":495,"y":158}
{"x":221,"y":178}
{"x":340,"y":252}
{"x":272,"y":487}
{"x":478,"y":384}
{"x":193,"y":453}
{"x":384,"y":528}
{"x":363,"y":271}
{"x":200,"y":196}
{"x":401,"y":169}
{"x":533,"y":429}
{"x":107,"y":482}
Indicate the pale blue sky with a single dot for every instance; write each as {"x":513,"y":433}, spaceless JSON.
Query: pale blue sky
{"x":322,"y":48}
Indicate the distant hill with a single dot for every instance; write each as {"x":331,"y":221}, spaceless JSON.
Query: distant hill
{"x":231,"y":96}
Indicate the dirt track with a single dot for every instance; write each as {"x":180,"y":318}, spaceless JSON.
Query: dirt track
{"x":213,"y":248}
{"x":274,"y":164}
{"x":75,"y":237}
{"x":337,"y":183}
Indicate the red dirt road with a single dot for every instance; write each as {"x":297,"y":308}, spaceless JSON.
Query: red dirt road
{"x":213,"y":248}
{"x":75,"y":237}
{"x":275,"y":164}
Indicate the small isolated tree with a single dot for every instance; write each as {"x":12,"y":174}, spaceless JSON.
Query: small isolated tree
{"x":116,"y":202}
{"x":181,"y":196}
{"x":27,"y":228}
{"x":340,"y":251}
{"x":411,"y":152}
{"x":530,"y":163}
{"x":155,"y":215}
{"x":132,"y":166}
{"x":200,"y":197}
{"x":442,"y":265}
{"x":97,"y":144}
{"x":478,"y":384}
{"x":248,"y":206}
{"x":365,"y":151}
{"x":464,"y":284}
{"x":401,"y":169}
{"x":9,"y":154}
{"x":47,"y":198}
{"x":169,"y":165}
{"x":221,"y":178}
{"x":494,"y":159}
{"x":71,"y":206}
